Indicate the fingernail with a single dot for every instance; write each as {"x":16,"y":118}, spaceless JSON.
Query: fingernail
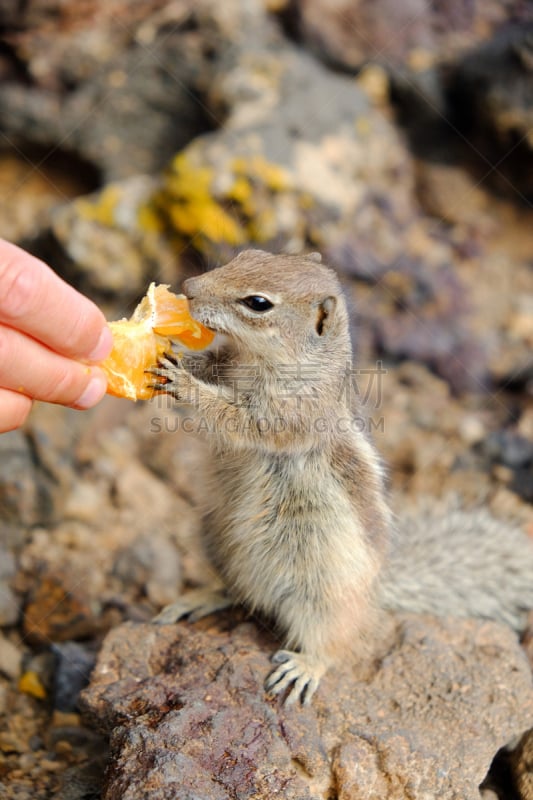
{"x":103,"y":348}
{"x":94,"y":392}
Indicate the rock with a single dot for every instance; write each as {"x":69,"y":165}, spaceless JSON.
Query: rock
{"x":84,"y":502}
{"x":118,"y":516}
{"x":439,"y":186}
{"x":19,"y":500}
{"x":83,"y":781}
{"x":519,"y":376}
{"x":28,"y":195}
{"x":169,"y":447}
{"x":9,"y":603}
{"x":10,"y":658}
{"x":152,"y":563}
{"x":73,"y":664}
{"x":277,"y":174}
{"x":514,"y":452}
{"x":509,"y":448}
{"x":118,"y":93}
{"x":123,"y":90}
{"x":187,"y":714}
{"x":417,"y":309}
{"x":52,"y":432}
{"x":522,"y":483}
{"x":100,"y":511}
{"x":107,"y":247}
{"x":490,"y":96}
{"x":59,"y":609}
{"x":295,"y":152}
{"x":85,"y":753}
{"x":320,"y":129}
{"x":348,"y":33}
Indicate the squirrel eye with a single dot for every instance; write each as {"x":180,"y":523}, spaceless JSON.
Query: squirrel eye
{"x":257,"y":302}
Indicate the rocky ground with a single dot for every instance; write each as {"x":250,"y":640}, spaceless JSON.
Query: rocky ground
{"x":149,"y":140}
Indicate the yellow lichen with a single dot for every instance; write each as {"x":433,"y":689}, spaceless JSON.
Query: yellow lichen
{"x":149,"y":220}
{"x":103,"y":209}
{"x":208,"y":219}
{"x":271,"y":175}
{"x":233,"y":205}
{"x":241,"y":191}
{"x":30,"y":683}
{"x":190,"y":206}
{"x":189,"y":183}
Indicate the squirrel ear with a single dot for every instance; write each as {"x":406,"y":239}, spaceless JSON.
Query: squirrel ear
{"x":324,"y":316}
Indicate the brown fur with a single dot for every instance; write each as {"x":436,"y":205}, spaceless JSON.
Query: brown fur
{"x":297,"y":526}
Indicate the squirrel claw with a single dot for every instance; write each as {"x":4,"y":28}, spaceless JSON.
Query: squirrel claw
{"x":166,"y":374}
{"x":299,"y":672}
{"x":167,"y":366}
{"x":194,"y":605}
{"x":170,"y":360}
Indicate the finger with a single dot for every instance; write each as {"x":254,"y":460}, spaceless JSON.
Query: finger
{"x":26,"y":366}
{"x":14,"y":408}
{"x":37,"y":301}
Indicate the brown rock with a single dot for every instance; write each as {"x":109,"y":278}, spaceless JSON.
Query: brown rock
{"x":417,"y":310}
{"x":411,"y":33}
{"x":58,"y":609}
{"x":188,"y":715}
{"x":348,"y":32}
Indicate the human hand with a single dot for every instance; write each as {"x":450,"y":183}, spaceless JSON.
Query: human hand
{"x":47,"y":329}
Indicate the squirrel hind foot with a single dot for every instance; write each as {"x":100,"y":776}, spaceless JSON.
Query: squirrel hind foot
{"x":194,"y":605}
{"x":297,"y":672}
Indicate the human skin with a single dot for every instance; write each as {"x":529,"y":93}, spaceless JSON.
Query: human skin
{"x":51,"y":338}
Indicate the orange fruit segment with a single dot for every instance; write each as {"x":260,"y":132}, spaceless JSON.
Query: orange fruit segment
{"x":140,"y":341}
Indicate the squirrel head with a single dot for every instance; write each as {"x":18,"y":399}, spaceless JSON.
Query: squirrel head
{"x":274,"y":307}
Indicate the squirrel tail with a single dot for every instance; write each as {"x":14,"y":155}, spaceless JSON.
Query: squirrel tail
{"x":462,"y":564}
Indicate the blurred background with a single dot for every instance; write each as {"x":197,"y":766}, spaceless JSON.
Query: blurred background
{"x":149,"y":140}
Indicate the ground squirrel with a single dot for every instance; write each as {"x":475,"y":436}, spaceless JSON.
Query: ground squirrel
{"x":297,"y":525}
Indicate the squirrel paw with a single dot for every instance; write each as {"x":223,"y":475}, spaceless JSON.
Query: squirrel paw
{"x":296,"y":670}
{"x":194,"y":605}
{"x":168,"y":375}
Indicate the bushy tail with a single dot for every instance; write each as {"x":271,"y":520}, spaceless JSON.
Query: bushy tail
{"x":460,"y":563}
